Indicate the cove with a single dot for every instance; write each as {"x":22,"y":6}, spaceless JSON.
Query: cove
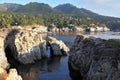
{"x":52,"y":68}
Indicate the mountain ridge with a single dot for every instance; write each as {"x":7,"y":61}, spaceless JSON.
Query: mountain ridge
{"x":112,"y":22}
{"x":36,"y":8}
{"x":9,"y":7}
{"x":41,"y":8}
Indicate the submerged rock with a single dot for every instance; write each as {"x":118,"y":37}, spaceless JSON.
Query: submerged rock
{"x":58,"y":47}
{"x":95,"y":59}
{"x":26,"y":46}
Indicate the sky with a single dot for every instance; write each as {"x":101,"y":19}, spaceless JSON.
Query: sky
{"x":102,"y":7}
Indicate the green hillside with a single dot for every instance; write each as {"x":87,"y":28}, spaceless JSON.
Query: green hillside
{"x":70,"y":10}
{"x":36,"y":8}
{"x":112,"y":22}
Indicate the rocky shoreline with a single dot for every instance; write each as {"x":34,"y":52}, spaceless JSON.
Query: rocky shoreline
{"x":90,"y":58}
{"x":80,"y":29}
{"x":26,"y":47}
{"x":93,"y":58}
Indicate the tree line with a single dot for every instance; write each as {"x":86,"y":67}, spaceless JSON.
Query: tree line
{"x":59,"y":20}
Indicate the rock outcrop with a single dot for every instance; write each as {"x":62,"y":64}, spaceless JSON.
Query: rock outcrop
{"x":57,"y":46}
{"x":12,"y":75}
{"x":25,"y":46}
{"x":95,"y":59}
{"x":3,"y":59}
{"x":28,"y":46}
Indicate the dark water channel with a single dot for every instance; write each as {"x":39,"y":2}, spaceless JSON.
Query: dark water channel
{"x":53,"y":68}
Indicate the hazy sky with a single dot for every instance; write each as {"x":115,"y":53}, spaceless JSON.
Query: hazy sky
{"x":103,"y":7}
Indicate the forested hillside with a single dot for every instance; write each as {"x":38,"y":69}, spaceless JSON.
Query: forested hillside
{"x":112,"y":22}
{"x":61,"y":15}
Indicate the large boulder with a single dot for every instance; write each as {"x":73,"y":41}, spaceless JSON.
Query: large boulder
{"x":25,"y":46}
{"x":95,"y":59}
{"x":57,"y":46}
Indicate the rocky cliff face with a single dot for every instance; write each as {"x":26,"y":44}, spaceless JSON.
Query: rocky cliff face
{"x":25,"y":46}
{"x":94,"y":59}
{"x":3,"y":59}
{"x":4,"y":64}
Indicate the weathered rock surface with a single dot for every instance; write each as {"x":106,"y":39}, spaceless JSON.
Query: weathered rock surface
{"x":23,"y":46}
{"x":26,"y":46}
{"x":58,"y":47}
{"x":12,"y":75}
{"x":3,"y":74}
{"x":95,"y":59}
{"x":3,"y":59}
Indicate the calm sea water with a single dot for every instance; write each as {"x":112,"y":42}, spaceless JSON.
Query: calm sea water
{"x":106,"y":35}
{"x":57,"y":68}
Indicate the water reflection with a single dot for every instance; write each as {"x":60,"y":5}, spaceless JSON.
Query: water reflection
{"x":53,"y":64}
{"x":57,"y":70}
{"x":30,"y":72}
{"x":33,"y":71}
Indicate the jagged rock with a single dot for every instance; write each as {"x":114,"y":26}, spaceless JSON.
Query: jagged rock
{"x":95,"y":59}
{"x":12,"y":75}
{"x":3,"y":59}
{"x":26,"y":46}
{"x":58,"y":47}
